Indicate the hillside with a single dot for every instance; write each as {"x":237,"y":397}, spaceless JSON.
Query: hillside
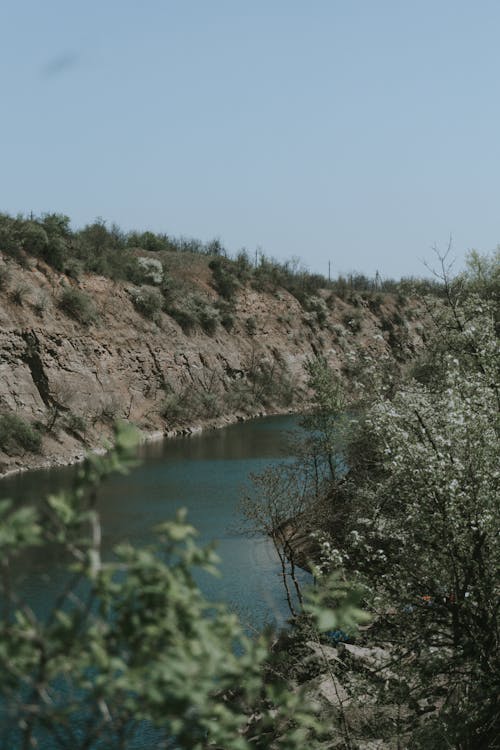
{"x":189,"y":344}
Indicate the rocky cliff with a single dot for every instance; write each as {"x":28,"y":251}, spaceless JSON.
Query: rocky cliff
{"x":69,"y":375}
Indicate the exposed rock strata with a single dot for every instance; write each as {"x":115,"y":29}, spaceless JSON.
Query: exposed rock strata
{"x":51,"y":366}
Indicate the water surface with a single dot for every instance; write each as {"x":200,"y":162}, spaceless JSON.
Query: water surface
{"x":205,"y":473}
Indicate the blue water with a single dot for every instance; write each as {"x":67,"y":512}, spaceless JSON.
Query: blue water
{"x":207,"y":474}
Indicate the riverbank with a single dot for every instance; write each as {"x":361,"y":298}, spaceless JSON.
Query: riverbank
{"x":33,"y":461}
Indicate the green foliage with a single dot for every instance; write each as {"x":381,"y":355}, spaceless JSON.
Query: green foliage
{"x":483,"y":275}
{"x":483,"y":278}
{"x":227,"y":321}
{"x":73,"y":267}
{"x":271,"y":383}
{"x":57,"y":230}
{"x":78,"y":305}
{"x":109,"y":251}
{"x":55,"y":225}
{"x":11,"y":238}
{"x":150,"y":241}
{"x":35,"y":238}
{"x":191,"y":310}
{"x":335,"y":604}
{"x":190,"y":404}
{"x":185,"y":318}
{"x":175,"y":409}
{"x":226,"y":314}
{"x":104,"y":251}
{"x":148,"y":301}
{"x":243,"y":266}
{"x":261,"y":384}
{"x":16,"y":434}
{"x":225,"y":280}
{"x":75,"y":423}
{"x":209,"y":318}
{"x":316,"y":305}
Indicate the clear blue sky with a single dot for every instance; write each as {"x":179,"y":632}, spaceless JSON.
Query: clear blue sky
{"x":354,"y":131}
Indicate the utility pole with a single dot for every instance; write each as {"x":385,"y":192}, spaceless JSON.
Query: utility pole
{"x":329,"y":276}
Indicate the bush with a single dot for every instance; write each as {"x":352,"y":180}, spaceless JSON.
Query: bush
{"x":175,"y":409}
{"x":148,"y":301}
{"x":73,"y":267}
{"x":75,"y":423}
{"x":208,"y":318}
{"x":318,"y":306}
{"x":19,"y":293}
{"x":152,"y":269}
{"x":251,"y":326}
{"x":78,"y":305}
{"x":185,"y":318}
{"x":34,"y":238}
{"x":9,"y":239}
{"x":16,"y":433}
{"x":239,"y":397}
{"x":226,"y":314}
{"x":224,"y":279}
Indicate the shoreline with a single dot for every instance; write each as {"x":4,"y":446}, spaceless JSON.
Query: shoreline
{"x":39,"y":462}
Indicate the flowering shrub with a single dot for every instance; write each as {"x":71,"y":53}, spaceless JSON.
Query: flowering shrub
{"x":425,"y":540}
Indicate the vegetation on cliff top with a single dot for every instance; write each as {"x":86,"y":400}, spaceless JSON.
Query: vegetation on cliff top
{"x":116,"y":254}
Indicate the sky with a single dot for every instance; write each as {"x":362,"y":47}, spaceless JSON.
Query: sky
{"x":354,"y":132}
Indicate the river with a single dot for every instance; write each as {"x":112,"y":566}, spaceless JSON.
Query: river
{"x":205,"y":473}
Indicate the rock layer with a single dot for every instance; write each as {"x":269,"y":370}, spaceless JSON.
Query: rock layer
{"x":53,"y":369}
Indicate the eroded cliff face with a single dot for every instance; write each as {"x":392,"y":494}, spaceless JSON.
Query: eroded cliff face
{"x":73,"y":381}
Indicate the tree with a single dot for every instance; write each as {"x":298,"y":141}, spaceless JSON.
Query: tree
{"x":413,"y":517}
